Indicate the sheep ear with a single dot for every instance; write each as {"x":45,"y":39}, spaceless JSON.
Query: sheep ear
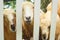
{"x":49,"y":6}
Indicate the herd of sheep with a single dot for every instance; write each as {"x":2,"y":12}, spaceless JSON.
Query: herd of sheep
{"x":28,"y":22}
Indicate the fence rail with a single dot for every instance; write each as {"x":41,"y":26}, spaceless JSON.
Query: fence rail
{"x":1,"y":21}
{"x":53,"y":21}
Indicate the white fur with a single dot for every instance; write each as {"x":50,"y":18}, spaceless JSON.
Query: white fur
{"x":9,"y":13}
{"x":28,"y":12}
{"x":11,"y":17}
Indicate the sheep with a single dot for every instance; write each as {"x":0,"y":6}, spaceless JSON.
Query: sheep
{"x":45,"y":22}
{"x":9,"y":17}
{"x":27,"y":20}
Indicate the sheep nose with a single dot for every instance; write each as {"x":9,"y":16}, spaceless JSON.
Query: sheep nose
{"x":13,"y":27}
{"x":28,"y":18}
{"x":44,"y":36}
